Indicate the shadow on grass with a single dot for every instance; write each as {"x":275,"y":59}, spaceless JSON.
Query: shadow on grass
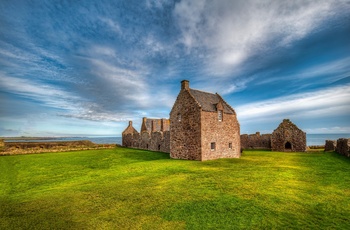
{"x":40,"y":214}
{"x":143,"y":155}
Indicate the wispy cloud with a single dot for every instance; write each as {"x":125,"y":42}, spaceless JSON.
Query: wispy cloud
{"x":318,"y":104}
{"x":233,"y":31}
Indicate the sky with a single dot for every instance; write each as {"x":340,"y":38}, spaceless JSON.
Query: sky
{"x":83,"y":68}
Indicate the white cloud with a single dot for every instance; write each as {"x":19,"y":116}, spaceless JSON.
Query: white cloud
{"x":322,"y":103}
{"x":47,"y":94}
{"x":232,"y":31}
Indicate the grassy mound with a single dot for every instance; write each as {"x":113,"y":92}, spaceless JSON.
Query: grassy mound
{"x":130,"y":189}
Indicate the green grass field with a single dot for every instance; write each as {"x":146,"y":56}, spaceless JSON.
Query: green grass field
{"x":134,"y":189}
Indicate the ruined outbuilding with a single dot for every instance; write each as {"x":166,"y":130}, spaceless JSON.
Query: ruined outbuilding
{"x":288,"y":138}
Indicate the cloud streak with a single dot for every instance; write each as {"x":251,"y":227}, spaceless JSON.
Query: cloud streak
{"x":321,"y":103}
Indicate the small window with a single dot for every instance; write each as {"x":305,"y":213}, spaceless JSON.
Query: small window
{"x":212,"y":146}
{"x":220,"y":115}
{"x":179,"y":117}
{"x":230,"y":145}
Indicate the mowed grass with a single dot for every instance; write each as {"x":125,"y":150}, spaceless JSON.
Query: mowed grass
{"x":135,"y":189}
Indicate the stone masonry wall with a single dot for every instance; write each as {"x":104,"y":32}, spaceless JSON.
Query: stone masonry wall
{"x":222,"y":133}
{"x":154,"y":141}
{"x":185,"y":128}
{"x":330,"y":145}
{"x":288,"y":137}
{"x":343,"y":147}
{"x":256,"y":141}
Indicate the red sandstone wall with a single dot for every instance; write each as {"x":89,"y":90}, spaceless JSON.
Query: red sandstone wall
{"x":222,"y":133}
{"x":330,"y":145}
{"x":185,"y":135}
{"x":256,"y":141}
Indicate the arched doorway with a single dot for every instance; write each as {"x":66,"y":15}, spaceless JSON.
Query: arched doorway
{"x":288,"y":146}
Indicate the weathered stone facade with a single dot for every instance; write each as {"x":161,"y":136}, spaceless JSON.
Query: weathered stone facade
{"x":256,"y":141}
{"x":202,"y":126}
{"x":330,"y":145}
{"x":343,"y":146}
{"x":154,"y":135}
{"x":288,"y":137}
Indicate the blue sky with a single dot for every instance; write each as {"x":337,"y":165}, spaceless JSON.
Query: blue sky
{"x":87,"y":67}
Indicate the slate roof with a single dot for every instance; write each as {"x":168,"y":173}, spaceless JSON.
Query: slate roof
{"x":208,"y":101}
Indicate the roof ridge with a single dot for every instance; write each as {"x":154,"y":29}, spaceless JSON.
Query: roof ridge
{"x":194,"y":97}
{"x":226,"y":103}
{"x":202,"y":91}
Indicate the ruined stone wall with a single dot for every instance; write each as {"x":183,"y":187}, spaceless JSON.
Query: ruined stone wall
{"x":330,"y":145}
{"x":343,"y":147}
{"x":185,"y":128}
{"x":154,"y":141}
{"x":225,"y":134}
{"x":256,"y":141}
{"x":288,"y":137}
{"x":127,"y":140}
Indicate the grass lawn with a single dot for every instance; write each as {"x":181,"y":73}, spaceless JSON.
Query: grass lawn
{"x":135,"y":189}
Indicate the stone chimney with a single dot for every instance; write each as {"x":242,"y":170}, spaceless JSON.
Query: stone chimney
{"x":130,"y":123}
{"x":185,"y":84}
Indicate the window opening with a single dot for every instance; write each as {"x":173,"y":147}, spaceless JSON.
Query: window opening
{"x":179,"y":117}
{"x":212,"y":146}
{"x":230,"y":145}
{"x":220,"y":115}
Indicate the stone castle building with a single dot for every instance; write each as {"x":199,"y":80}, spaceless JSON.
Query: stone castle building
{"x":202,"y":126}
{"x":288,"y":137}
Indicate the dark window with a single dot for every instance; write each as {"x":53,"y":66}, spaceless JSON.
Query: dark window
{"x":158,"y":147}
{"x":212,"y":146}
{"x":220,"y":115}
{"x":179,"y":117}
{"x":230,"y":145}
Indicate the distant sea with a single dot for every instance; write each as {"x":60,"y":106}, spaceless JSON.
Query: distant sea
{"x":311,"y":139}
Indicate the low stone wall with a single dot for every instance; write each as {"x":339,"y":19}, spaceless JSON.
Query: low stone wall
{"x":156,"y":141}
{"x":11,"y":148}
{"x":330,"y":145}
{"x":256,"y":141}
{"x":343,"y":147}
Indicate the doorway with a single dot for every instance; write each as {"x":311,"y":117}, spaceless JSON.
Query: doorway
{"x":288,"y":146}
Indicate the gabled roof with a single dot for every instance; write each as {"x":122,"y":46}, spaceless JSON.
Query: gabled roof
{"x":130,"y":129}
{"x":208,"y":101}
{"x":286,"y":124}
